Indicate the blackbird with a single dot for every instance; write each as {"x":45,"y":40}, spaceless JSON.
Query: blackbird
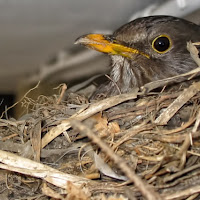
{"x":144,"y":50}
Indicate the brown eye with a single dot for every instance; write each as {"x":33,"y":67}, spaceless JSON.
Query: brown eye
{"x":161,"y":44}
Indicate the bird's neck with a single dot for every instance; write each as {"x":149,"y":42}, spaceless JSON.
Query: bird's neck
{"x":122,"y":74}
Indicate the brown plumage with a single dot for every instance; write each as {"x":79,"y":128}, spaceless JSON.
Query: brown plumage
{"x":145,"y":50}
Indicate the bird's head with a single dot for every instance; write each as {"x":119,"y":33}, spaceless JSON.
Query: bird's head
{"x":146,"y":49}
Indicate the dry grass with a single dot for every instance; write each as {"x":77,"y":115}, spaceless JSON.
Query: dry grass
{"x":141,"y":145}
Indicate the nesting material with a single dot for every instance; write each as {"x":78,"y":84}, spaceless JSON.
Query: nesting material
{"x":140,"y":145}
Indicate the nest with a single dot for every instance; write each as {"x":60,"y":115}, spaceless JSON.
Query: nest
{"x":140,"y":145}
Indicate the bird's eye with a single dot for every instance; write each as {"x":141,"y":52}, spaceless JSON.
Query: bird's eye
{"x":161,"y":44}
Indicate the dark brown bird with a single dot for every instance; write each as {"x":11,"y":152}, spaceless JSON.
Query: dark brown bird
{"x":145,"y":50}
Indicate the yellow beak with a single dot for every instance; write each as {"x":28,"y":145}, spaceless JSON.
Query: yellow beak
{"x":99,"y":42}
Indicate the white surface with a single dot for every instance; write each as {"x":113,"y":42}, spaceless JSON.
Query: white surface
{"x":177,"y":8}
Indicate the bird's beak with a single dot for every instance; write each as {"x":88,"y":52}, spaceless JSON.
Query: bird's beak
{"x":107,"y":45}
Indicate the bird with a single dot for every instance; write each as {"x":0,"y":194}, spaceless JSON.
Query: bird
{"x":144,"y":50}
